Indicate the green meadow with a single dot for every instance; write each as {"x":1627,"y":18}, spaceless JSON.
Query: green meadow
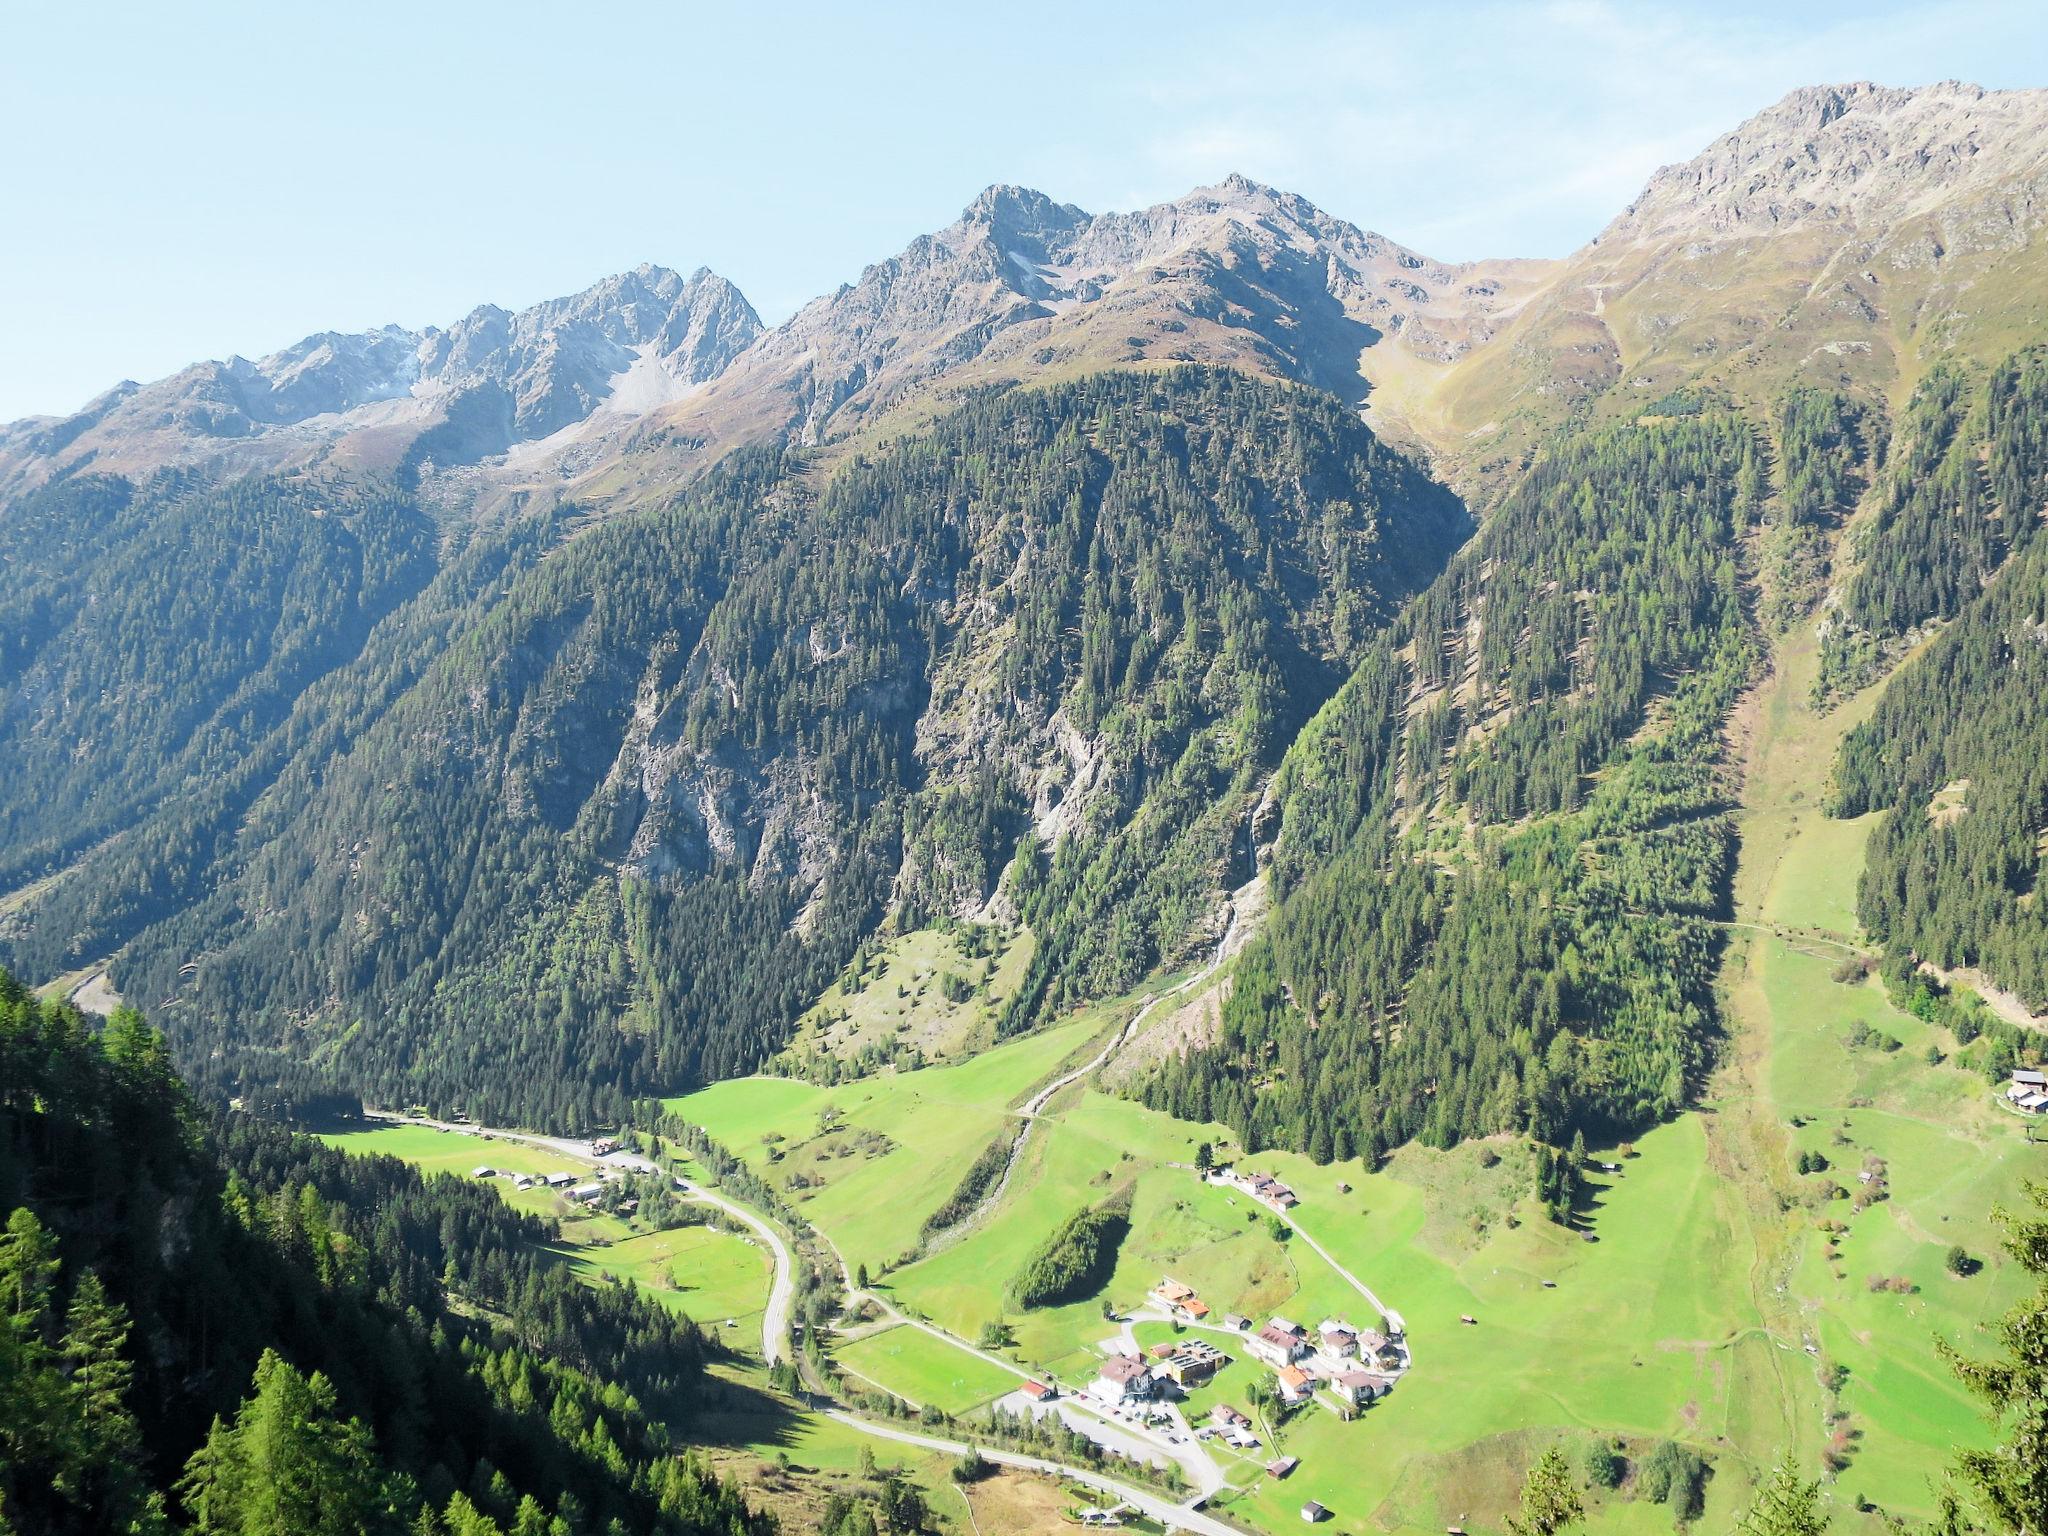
{"x":866,"y":1162}
{"x":707,"y":1274}
{"x":911,"y":1363}
{"x":901,"y":999}
{"x":711,"y":1276}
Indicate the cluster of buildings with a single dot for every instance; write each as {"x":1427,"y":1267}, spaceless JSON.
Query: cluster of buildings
{"x":1181,"y":1300}
{"x":1353,"y":1366}
{"x":2028,"y":1091}
{"x":1122,"y":1379}
{"x":1264,"y":1188}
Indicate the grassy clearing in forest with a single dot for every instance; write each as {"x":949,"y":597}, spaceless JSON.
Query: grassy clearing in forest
{"x":901,"y":1000}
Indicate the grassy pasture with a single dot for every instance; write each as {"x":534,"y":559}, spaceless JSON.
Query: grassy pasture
{"x":915,"y":1365}
{"x":710,"y":1276}
{"x":900,"y":1001}
{"x":868,"y":1161}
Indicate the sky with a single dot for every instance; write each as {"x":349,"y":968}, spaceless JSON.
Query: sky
{"x":192,"y":180}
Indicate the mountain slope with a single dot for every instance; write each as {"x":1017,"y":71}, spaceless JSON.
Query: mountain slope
{"x":1021,"y":287}
{"x":493,"y":380}
{"x":1847,"y":236}
{"x":667,"y":781}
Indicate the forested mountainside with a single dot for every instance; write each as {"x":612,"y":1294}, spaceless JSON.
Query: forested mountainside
{"x":1966,"y":486}
{"x":373,"y":1351}
{"x":1955,"y":750}
{"x":621,"y":831}
{"x":371,"y":782}
{"x":153,"y":637}
{"x":1499,"y":840}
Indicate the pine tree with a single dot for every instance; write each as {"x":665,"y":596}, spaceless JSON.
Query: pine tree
{"x":2006,"y":1488}
{"x":28,"y":1268}
{"x":290,"y":1465}
{"x":1786,"y":1505}
{"x":103,"y":1444}
{"x":1550,"y":1500}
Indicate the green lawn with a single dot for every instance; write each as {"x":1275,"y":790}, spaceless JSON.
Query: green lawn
{"x":455,"y":1152}
{"x":710,"y":1276}
{"x":868,"y":1161}
{"x":911,"y":1363}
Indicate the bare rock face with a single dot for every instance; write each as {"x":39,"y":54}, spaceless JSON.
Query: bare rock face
{"x":1858,"y":155}
{"x":1806,"y":242}
{"x":625,"y":345}
{"x":1236,"y":274}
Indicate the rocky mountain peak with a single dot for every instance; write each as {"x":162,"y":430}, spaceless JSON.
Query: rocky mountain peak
{"x":625,"y":344}
{"x":1858,"y":154}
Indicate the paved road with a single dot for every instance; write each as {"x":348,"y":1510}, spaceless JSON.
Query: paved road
{"x":1175,"y":1517}
{"x":781,"y":1290}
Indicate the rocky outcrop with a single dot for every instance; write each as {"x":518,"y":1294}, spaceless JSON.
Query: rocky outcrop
{"x":494,"y":379}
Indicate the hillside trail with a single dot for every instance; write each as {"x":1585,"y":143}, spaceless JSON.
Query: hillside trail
{"x":1034,"y":1106}
{"x":1783,"y":750}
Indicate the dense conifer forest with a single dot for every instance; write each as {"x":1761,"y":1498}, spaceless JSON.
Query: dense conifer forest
{"x":375,"y":1351}
{"x":1499,"y":843}
{"x":1956,"y":753}
{"x":610,"y":836}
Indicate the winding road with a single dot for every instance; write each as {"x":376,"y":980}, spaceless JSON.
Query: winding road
{"x":1173,"y":1516}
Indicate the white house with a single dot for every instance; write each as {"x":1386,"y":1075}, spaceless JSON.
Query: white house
{"x":1122,"y":1379}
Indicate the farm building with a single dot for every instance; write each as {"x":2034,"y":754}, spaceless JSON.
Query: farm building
{"x":1358,"y":1388}
{"x":2028,"y":1091}
{"x":559,"y":1180}
{"x":483,"y":1171}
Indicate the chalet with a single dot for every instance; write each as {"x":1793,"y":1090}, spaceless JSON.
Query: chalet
{"x":1338,"y":1339}
{"x":1122,"y":1379}
{"x":1294,"y":1383}
{"x":1358,"y":1388}
{"x":2028,"y":1091}
{"x":1236,"y":1323}
{"x":1281,"y":1466}
{"x":1269,"y":1191}
{"x":1181,"y":1300}
{"x":1277,"y":1346}
{"x":1223,"y":1416}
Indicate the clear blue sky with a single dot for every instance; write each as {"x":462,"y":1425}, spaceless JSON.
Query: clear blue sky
{"x":189,"y":180}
